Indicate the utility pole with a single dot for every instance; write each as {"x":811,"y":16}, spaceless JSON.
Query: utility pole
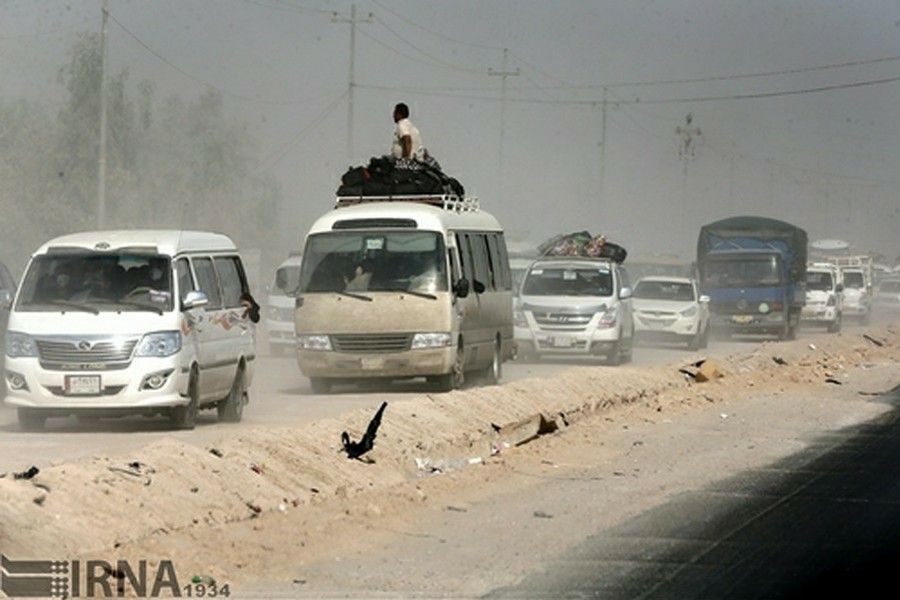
{"x":602,"y":156}
{"x":503,"y":73}
{"x":101,"y":161}
{"x":352,"y":20}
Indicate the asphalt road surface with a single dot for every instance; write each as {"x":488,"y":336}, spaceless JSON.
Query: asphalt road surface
{"x":821,"y":523}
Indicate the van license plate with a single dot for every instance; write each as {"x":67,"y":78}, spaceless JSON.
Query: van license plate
{"x":372,"y":364}
{"x":82,"y":385}
{"x":561,"y":342}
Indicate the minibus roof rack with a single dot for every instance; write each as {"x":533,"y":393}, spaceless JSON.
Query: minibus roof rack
{"x":450,"y":202}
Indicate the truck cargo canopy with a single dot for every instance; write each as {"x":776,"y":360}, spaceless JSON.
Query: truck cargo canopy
{"x":754,"y":233}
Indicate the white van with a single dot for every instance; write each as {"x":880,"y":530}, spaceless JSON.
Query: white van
{"x":109,"y":323}
{"x":824,"y":296}
{"x":280,"y":307}
{"x":400,"y":287}
{"x":575,"y":307}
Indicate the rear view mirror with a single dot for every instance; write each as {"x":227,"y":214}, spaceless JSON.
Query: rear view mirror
{"x":461,"y":289}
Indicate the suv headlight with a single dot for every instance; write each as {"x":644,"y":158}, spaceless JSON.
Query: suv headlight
{"x":430,"y":340}
{"x":316,"y":341}
{"x":160,"y":344}
{"x":689,"y":311}
{"x":608,"y":319}
{"x":19,"y":345}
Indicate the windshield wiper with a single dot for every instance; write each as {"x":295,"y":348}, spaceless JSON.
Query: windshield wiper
{"x":142,"y":306}
{"x":78,"y":305}
{"x":357,"y":296}
{"x":415,"y":293}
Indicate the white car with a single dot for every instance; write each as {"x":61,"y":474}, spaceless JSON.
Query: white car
{"x":671,"y":309}
{"x":887,"y":298}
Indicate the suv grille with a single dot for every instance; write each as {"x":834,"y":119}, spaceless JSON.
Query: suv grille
{"x":365,"y":344}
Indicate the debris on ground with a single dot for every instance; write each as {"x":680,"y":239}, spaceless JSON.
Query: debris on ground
{"x":873,"y":340}
{"x":702,"y":370}
{"x":31,"y":472}
{"x":367,"y":442}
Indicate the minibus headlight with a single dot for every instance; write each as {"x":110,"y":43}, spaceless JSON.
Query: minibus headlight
{"x":19,"y":345}
{"x":160,"y":344}
{"x":314,"y":342}
{"x":430,"y":340}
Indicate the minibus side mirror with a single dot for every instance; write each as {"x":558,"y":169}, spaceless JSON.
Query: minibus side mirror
{"x":478,"y":287}
{"x":462,"y":288}
{"x":195,"y":299}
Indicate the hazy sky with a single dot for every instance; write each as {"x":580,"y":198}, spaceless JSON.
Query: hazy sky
{"x":795,"y":101}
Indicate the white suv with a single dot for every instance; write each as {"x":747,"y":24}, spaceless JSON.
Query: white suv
{"x":671,"y":309}
{"x":571,"y":306}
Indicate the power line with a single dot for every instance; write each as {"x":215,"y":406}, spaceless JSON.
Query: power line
{"x":423,"y":52}
{"x":432,"y":32}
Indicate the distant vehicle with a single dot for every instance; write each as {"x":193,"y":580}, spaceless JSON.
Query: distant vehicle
{"x":518,"y":266}
{"x":575,"y":307}
{"x":658,"y":265}
{"x":754,"y":271}
{"x":279,"y":312}
{"x":404,"y":287}
{"x":7,"y":292}
{"x":857,"y":294}
{"x":824,"y":296}
{"x":887,"y":297}
{"x":148,"y":322}
{"x":671,"y":309}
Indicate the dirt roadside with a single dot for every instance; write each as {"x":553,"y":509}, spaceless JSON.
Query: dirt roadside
{"x":280,"y":512}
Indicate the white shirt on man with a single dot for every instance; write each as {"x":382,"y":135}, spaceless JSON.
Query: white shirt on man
{"x":405,"y":127}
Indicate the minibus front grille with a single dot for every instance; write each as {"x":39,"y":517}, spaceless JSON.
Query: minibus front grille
{"x":78,"y":353}
{"x":366,"y":344}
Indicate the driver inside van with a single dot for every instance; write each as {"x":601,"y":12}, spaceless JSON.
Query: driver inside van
{"x":361,"y":276}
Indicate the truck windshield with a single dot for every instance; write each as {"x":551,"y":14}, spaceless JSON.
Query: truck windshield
{"x":854,"y":280}
{"x":567,"y":281}
{"x":744,"y":271}
{"x":97,"y":282}
{"x":369,"y":261}
{"x":819,"y":281}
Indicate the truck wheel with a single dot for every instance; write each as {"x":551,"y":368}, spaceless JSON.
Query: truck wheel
{"x":835,"y":325}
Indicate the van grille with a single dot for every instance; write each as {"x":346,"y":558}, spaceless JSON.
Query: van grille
{"x":365,"y":344}
{"x":84,"y":353}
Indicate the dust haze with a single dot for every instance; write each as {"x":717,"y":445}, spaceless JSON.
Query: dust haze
{"x":641,"y":120}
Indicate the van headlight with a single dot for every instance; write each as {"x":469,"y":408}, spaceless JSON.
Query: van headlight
{"x":20,"y":345}
{"x":314,"y":342}
{"x":609,"y":318}
{"x":160,"y":344}
{"x":430,"y":340}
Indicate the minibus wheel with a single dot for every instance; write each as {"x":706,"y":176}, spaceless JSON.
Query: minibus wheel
{"x":494,"y":372}
{"x":30,"y":420}
{"x":185,"y":416}
{"x":453,"y":380}
{"x":231,"y":407}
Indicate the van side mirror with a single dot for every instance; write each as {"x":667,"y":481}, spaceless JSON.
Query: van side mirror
{"x":194,"y":299}
{"x":625,"y":293}
{"x":704,"y":298}
{"x":461,"y":289}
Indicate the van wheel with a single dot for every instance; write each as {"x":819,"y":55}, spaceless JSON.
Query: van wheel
{"x":30,"y":420}
{"x":454,"y":379}
{"x":231,"y":408}
{"x":185,"y":416}
{"x":320,"y":385}
{"x":494,"y":372}
{"x":704,"y":340}
{"x":615,"y":355}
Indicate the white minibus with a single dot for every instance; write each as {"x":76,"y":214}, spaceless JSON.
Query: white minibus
{"x":111,"y":323}
{"x":395,"y":288}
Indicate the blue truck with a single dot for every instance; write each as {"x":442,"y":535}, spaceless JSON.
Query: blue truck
{"x":754,"y":271}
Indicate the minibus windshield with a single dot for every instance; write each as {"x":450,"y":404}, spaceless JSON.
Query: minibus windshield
{"x":100,"y":281}
{"x":368,"y":261}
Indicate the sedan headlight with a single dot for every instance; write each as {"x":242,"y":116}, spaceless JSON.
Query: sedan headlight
{"x":160,"y":344}
{"x":19,"y":345}
{"x":689,"y":311}
{"x":314,"y":342}
{"x":430,"y":340}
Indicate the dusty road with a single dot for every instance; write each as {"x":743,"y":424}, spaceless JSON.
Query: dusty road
{"x":280,"y":396}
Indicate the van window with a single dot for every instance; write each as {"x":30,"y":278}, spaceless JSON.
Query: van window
{"x":185,"y":279}
{"x":466,"y":262}
{"x":206,"y":281}
{"x":229,"y":273}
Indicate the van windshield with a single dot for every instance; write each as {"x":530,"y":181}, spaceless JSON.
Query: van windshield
{"x":568,"y":281}
{"x":291,"y":274}
{"x":854,"y":280}
{"x":97,"y":282}
{"x":819,"y":281}
{"x":359,"y":261}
